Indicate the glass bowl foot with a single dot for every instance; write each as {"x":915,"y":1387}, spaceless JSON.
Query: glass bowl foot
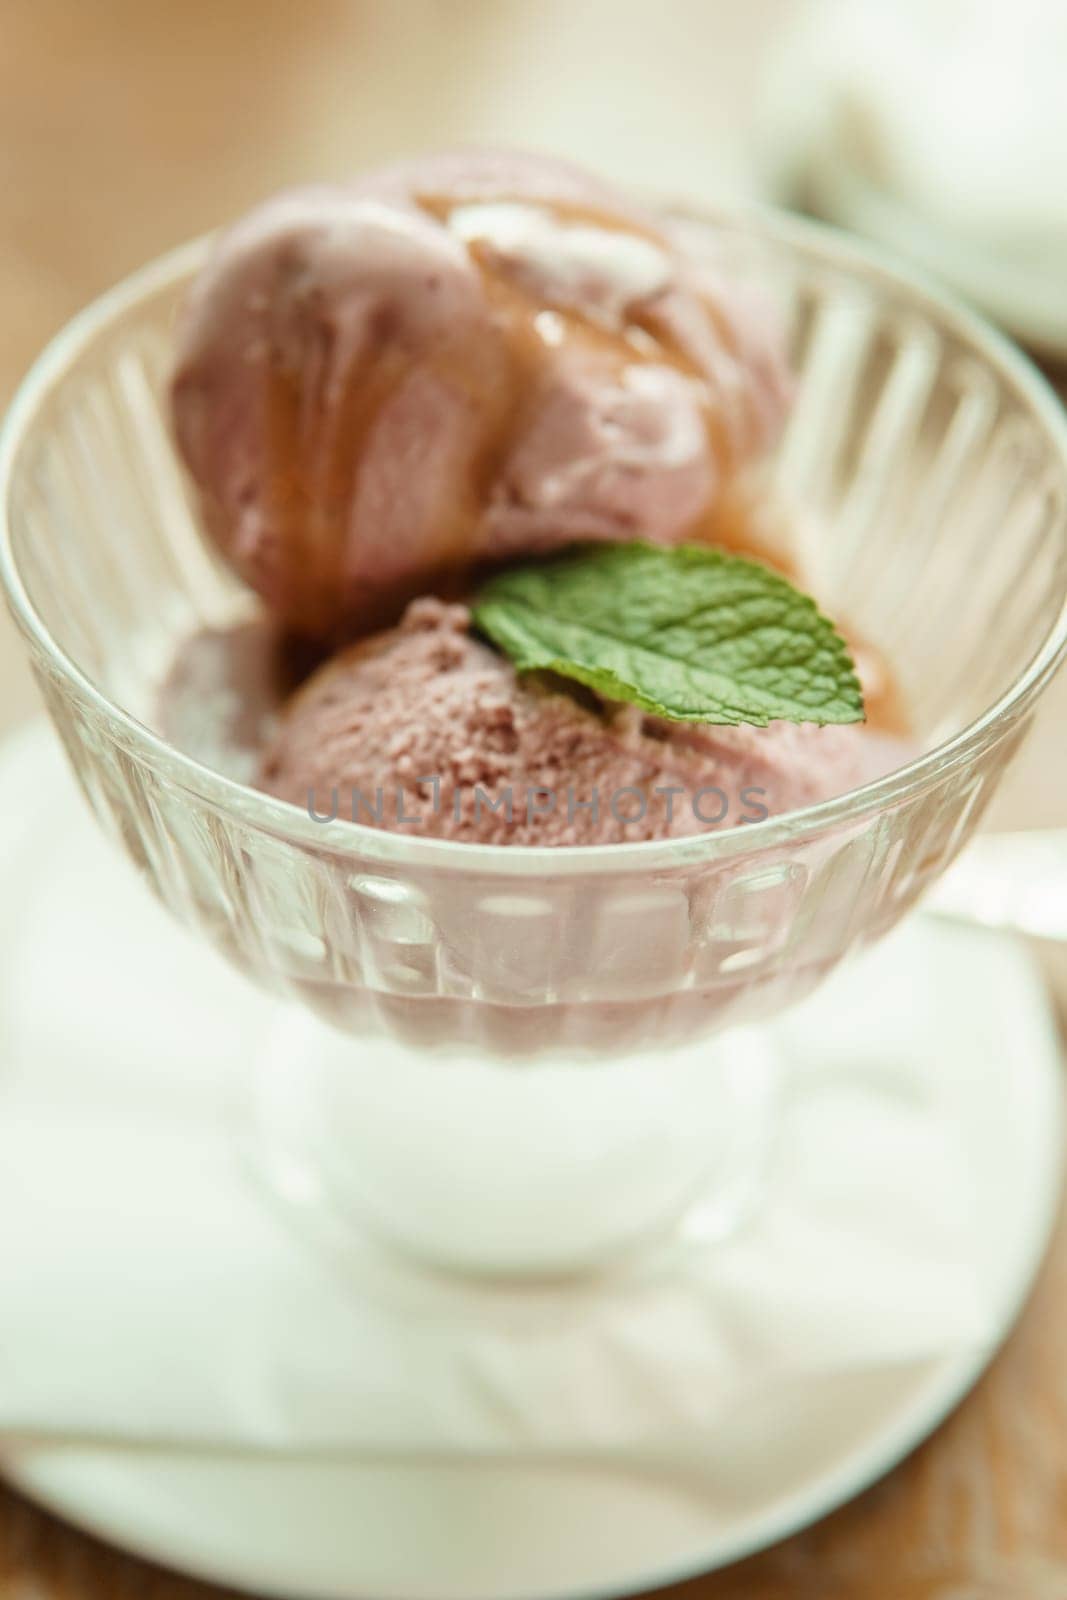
{"x":439,"y":1165}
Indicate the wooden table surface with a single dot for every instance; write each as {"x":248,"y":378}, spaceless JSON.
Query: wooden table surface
{"x":127,"y":127}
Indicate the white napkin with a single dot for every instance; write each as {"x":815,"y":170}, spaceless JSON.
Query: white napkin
{"x":149,"y":1294}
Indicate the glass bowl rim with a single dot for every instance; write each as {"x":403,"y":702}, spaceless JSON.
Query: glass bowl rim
{"x":830,"y":247}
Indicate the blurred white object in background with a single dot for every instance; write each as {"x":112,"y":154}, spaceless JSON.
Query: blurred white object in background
{"x":939,"y":128}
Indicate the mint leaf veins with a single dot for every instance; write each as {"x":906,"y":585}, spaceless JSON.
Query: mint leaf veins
{"x":686,"y":632}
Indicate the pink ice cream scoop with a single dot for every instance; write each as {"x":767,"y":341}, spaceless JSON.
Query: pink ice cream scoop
{"x":382,"y":384}
{"x":424,"y":729}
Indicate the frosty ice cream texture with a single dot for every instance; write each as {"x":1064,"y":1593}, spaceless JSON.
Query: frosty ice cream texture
{"x":424,"y":728}
{"x":464,"y":358}
{"x":470,"y":358}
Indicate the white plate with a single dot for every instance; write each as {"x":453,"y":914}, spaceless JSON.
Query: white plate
{"x":420,"y":1531}
{"x":346,"y":1529}
{"x":340,"y":1527}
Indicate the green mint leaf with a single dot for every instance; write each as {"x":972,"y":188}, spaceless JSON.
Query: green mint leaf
{"x":689,"y":632}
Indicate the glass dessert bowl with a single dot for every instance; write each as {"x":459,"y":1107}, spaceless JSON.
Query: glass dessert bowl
{"x":542,"y":1059}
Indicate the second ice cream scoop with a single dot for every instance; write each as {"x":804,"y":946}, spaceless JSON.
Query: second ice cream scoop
{"x":424,"y":728}
{"x":468,"y":357}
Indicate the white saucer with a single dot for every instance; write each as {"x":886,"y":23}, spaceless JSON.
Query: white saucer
{"x":344,"y":1526}
{"x":420,"y":1531}
{"x":361,"y":1531}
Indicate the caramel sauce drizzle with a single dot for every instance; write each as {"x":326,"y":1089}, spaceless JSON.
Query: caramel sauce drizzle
{"x":641,"y":339}
{"x":317,"y":442}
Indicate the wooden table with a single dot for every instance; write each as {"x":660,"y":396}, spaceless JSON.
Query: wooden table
{"x":126,"y":127}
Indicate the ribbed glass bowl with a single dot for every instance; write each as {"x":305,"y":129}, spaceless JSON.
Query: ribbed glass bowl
{"x":926,"y":462}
